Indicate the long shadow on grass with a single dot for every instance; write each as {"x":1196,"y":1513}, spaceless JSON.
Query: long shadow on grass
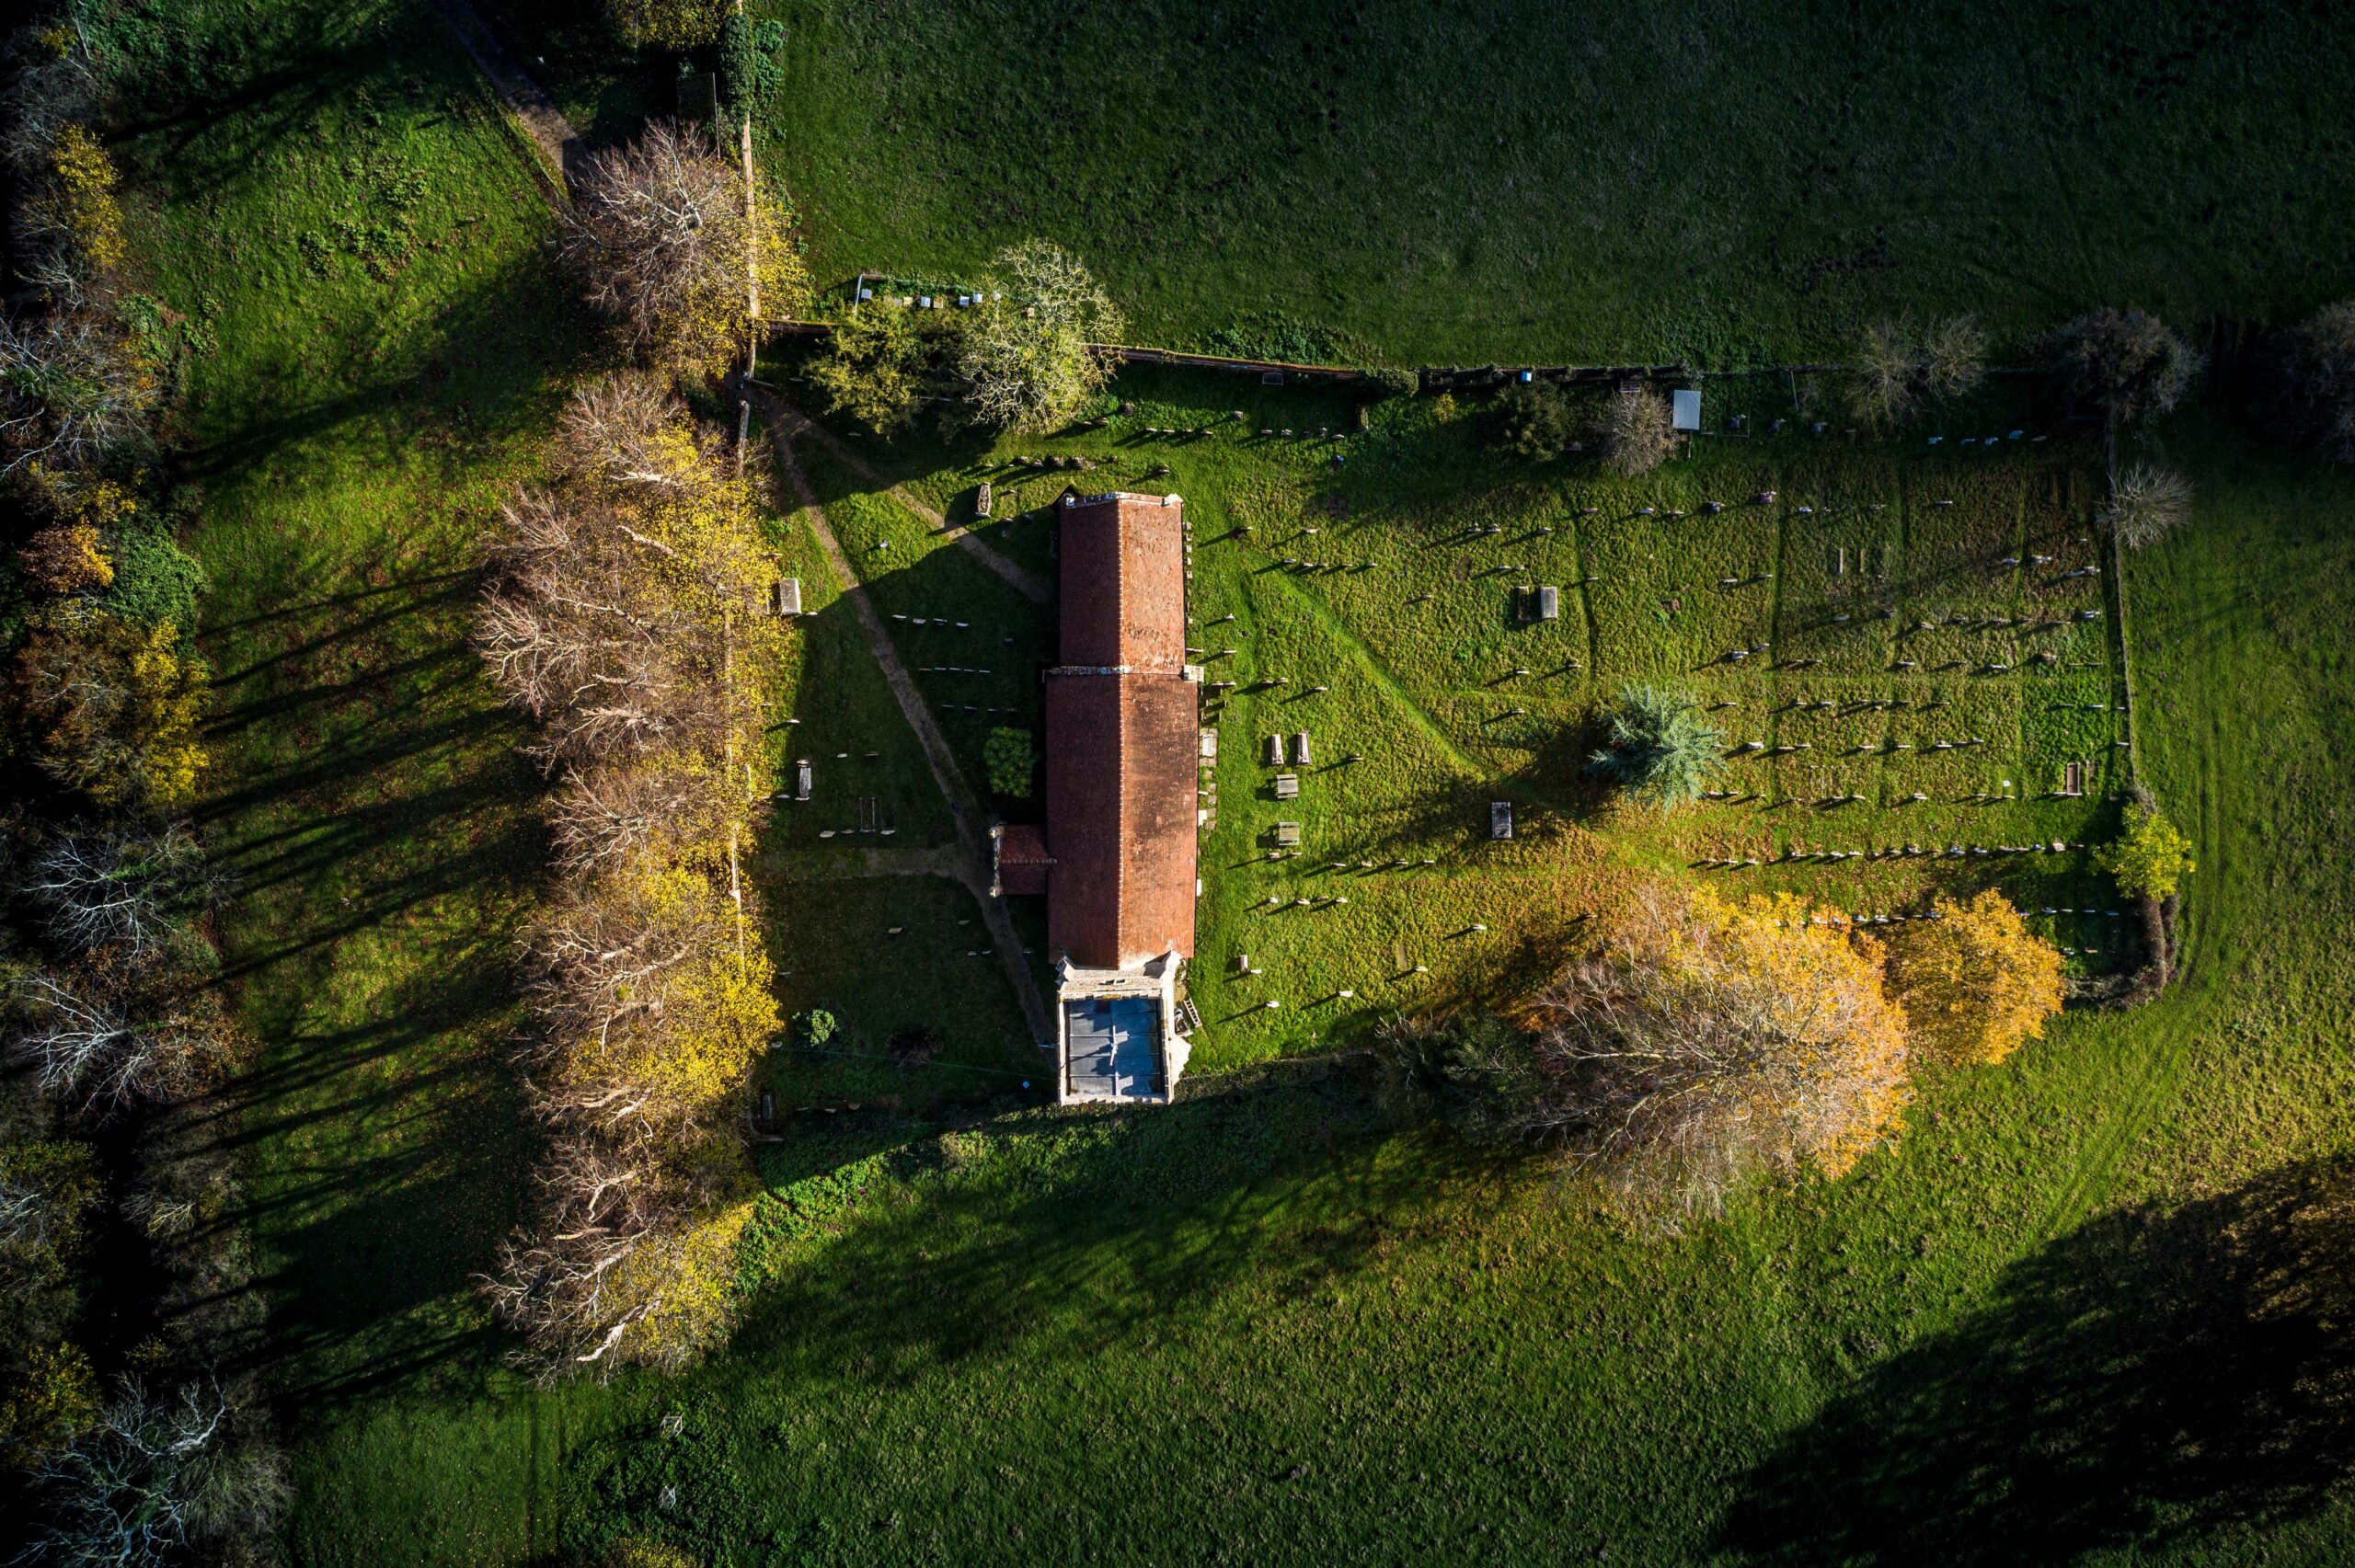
{"x":2149,"y":1377}
{"x":1067,"y":1234}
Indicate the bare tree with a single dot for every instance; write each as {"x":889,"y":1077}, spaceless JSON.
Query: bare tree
{"x":631,"y":431}
{"x":1888,"y":385}
{"x":2317,"y":393}
{"x":1639,"y":432}
{"x":118,"y":883}
{"x":2146,"y":504}
{"x":605,"y":816}
{"x":52,"y":82}
{"x":155,"y":1477}
{"x":121,"y":1032}
{"x":660,"y":234}
{"x":1953,"y":357}
{"x":1900,"y":365}
{"x":2128,"y":361}
{"x":73,"y":387}
{"x":584,"y":634}
{"x":600,"y":1205}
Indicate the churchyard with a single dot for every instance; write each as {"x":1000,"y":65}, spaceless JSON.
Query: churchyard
{"x":1910,"y":646}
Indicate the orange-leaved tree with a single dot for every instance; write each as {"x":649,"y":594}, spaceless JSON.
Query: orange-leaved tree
{"x":1975,"y":982}
{"x":1708,"y":1042}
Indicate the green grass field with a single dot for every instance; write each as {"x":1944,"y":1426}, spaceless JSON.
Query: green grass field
{"x":2085,"y":1307}
{"x":1430,"y":182}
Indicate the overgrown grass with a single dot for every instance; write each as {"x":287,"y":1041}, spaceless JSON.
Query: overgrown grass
{"x":1435,"y":183}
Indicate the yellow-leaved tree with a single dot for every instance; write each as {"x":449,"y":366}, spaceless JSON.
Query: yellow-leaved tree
{"x":2151,"y":858}
{"x":109,"y":707}
{"x":627,"y":613}
{"x":649,"y":1012}
{"x":70,"y":225}
{"x":1975,"y":982}
{"x":1707,"y":1042}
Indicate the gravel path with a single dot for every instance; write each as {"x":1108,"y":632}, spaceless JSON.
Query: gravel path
{"x":542,"y":121}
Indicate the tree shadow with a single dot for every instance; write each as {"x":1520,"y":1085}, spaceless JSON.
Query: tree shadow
{"x":1080,"y":1231}
{"x":2149,"y":1378}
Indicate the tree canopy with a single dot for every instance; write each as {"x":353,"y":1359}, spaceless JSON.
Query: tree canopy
{"x":1975,"y":982}
{"x":1662,"y":751}
{"x":2151,"y":858}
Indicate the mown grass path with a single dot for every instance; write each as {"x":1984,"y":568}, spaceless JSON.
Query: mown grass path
{"x":1032,"y":587}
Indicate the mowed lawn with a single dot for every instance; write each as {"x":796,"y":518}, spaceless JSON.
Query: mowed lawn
{"x":1427,"y":182}
{"x":2085,"y":1304}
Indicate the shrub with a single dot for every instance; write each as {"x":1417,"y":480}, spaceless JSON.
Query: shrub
{"x":880,"y":366}
{"x":636,"y":1552}
{"x":1639,"y":432}
{"x":676,"y":25}
{"x":2128,"y":362}
{"x":1974,"y":982}
{"x":1390,"y":381}
{"x":2317,"y":371}
{"x":814,"y":1027}
{"x":1012,"y":761}
{"x":1026,"y":357}
{"x":2150,"y":859}
{"x":2147,"y":504}
{"x":1705,"y":1044}
{"x":1451,"y":1067}
{"x":110,"y":708}
{"x":155,"y":582}
{"x":50,"y":1399}
{"x":1533,"y":421}
{"x":1663,"y":753}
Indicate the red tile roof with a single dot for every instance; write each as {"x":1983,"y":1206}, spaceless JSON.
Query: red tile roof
{"x":1022,"y":858}
{"x":1121,"y":747}
{"x":1123,"y":567}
